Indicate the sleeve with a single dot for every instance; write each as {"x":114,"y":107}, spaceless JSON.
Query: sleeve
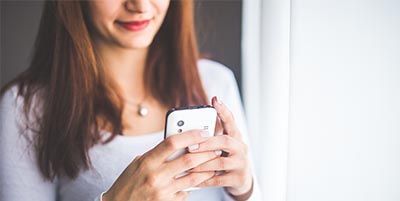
{"x":231,"y":98}
{"x":20,"y":178}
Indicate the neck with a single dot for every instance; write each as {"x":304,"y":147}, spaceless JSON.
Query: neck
{"x":126,"y":68}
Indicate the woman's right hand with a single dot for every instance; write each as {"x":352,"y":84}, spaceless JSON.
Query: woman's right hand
{"x":152,"y":177}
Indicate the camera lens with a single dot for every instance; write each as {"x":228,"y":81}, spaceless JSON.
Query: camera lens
{"x":180,"y":123}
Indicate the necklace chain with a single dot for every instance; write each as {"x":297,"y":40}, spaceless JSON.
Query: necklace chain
{"x":142,"y":111}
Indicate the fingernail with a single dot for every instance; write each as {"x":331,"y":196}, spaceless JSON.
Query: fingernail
{"x":218,"y":152}
{"x":204,"y":133}
{"x":193,"y":147}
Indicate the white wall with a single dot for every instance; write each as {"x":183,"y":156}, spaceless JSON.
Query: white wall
{"x":344,"y":127}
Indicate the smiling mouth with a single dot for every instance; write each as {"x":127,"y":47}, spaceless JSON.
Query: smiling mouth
{"x":134,"y":25}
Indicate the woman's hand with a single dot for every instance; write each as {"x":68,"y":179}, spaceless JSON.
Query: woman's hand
{"x":237,"y":176}
{"x":152,"y":177}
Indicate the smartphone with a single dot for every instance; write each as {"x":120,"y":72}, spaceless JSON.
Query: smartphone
{"x":179,"y":120}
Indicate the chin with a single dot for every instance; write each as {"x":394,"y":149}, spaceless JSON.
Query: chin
{"x":137,"y":46}
{"x":137,"y":43}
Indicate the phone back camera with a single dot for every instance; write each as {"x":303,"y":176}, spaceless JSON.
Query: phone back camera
{"x":180,"y":123}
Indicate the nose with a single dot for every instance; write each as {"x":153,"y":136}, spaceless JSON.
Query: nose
{"x":137,"y":6}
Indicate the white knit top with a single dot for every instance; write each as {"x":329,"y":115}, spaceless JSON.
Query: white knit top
{"x":20,"y":178}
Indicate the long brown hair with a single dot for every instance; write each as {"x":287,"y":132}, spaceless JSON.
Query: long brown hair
{"x":66,"y":76}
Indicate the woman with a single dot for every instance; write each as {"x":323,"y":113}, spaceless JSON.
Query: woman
{"x":85,"y":120}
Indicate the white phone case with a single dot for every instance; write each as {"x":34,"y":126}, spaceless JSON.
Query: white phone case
{"x":179,"y":120}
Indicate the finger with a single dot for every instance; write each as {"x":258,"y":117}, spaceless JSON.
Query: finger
{"x":220,"y":142}
{"x":219,"y":129}
{"x":191,"y":180}
{"x":181,"y":195}
{"x":226,"y":116}
{"x":218,"y":164}
{"x":175,"y":142}
{"x":226,"y":180}
{"x":188,"y":161}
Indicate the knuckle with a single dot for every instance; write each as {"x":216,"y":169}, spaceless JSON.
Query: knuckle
{"x":218,"y":181}
{"x":226,"y":140}
{"x":188,"y":160}
{"x":157,"y":195}
{"x":170,"y":143}
{"x":136,"y":162}
{"x":145,"y":163}
{"x":151,"y":180}
{"x":222,"y":163}
{"x":192,"y":180}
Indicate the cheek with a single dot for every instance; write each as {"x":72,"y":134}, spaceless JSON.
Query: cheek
{"x":104,"y":12}
{"x":161,"y":7}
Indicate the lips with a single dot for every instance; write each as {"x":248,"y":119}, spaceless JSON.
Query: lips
{"x":134,"y":25}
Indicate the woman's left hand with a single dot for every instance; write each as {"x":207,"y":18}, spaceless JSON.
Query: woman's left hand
{"x":237,"y":178}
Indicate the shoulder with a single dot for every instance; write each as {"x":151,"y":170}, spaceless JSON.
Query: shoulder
{"x":12,"y":108}
{"x":8,"y":100}
{"x":217,"y":78}
{"x":213,"y":70}
{"x":10,"y":117}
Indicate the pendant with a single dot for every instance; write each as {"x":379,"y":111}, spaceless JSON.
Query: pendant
{"x":142,"y":111}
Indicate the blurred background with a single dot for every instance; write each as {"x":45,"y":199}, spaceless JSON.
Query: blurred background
{"x":218,"y":27}
{"x":320,"y":81}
